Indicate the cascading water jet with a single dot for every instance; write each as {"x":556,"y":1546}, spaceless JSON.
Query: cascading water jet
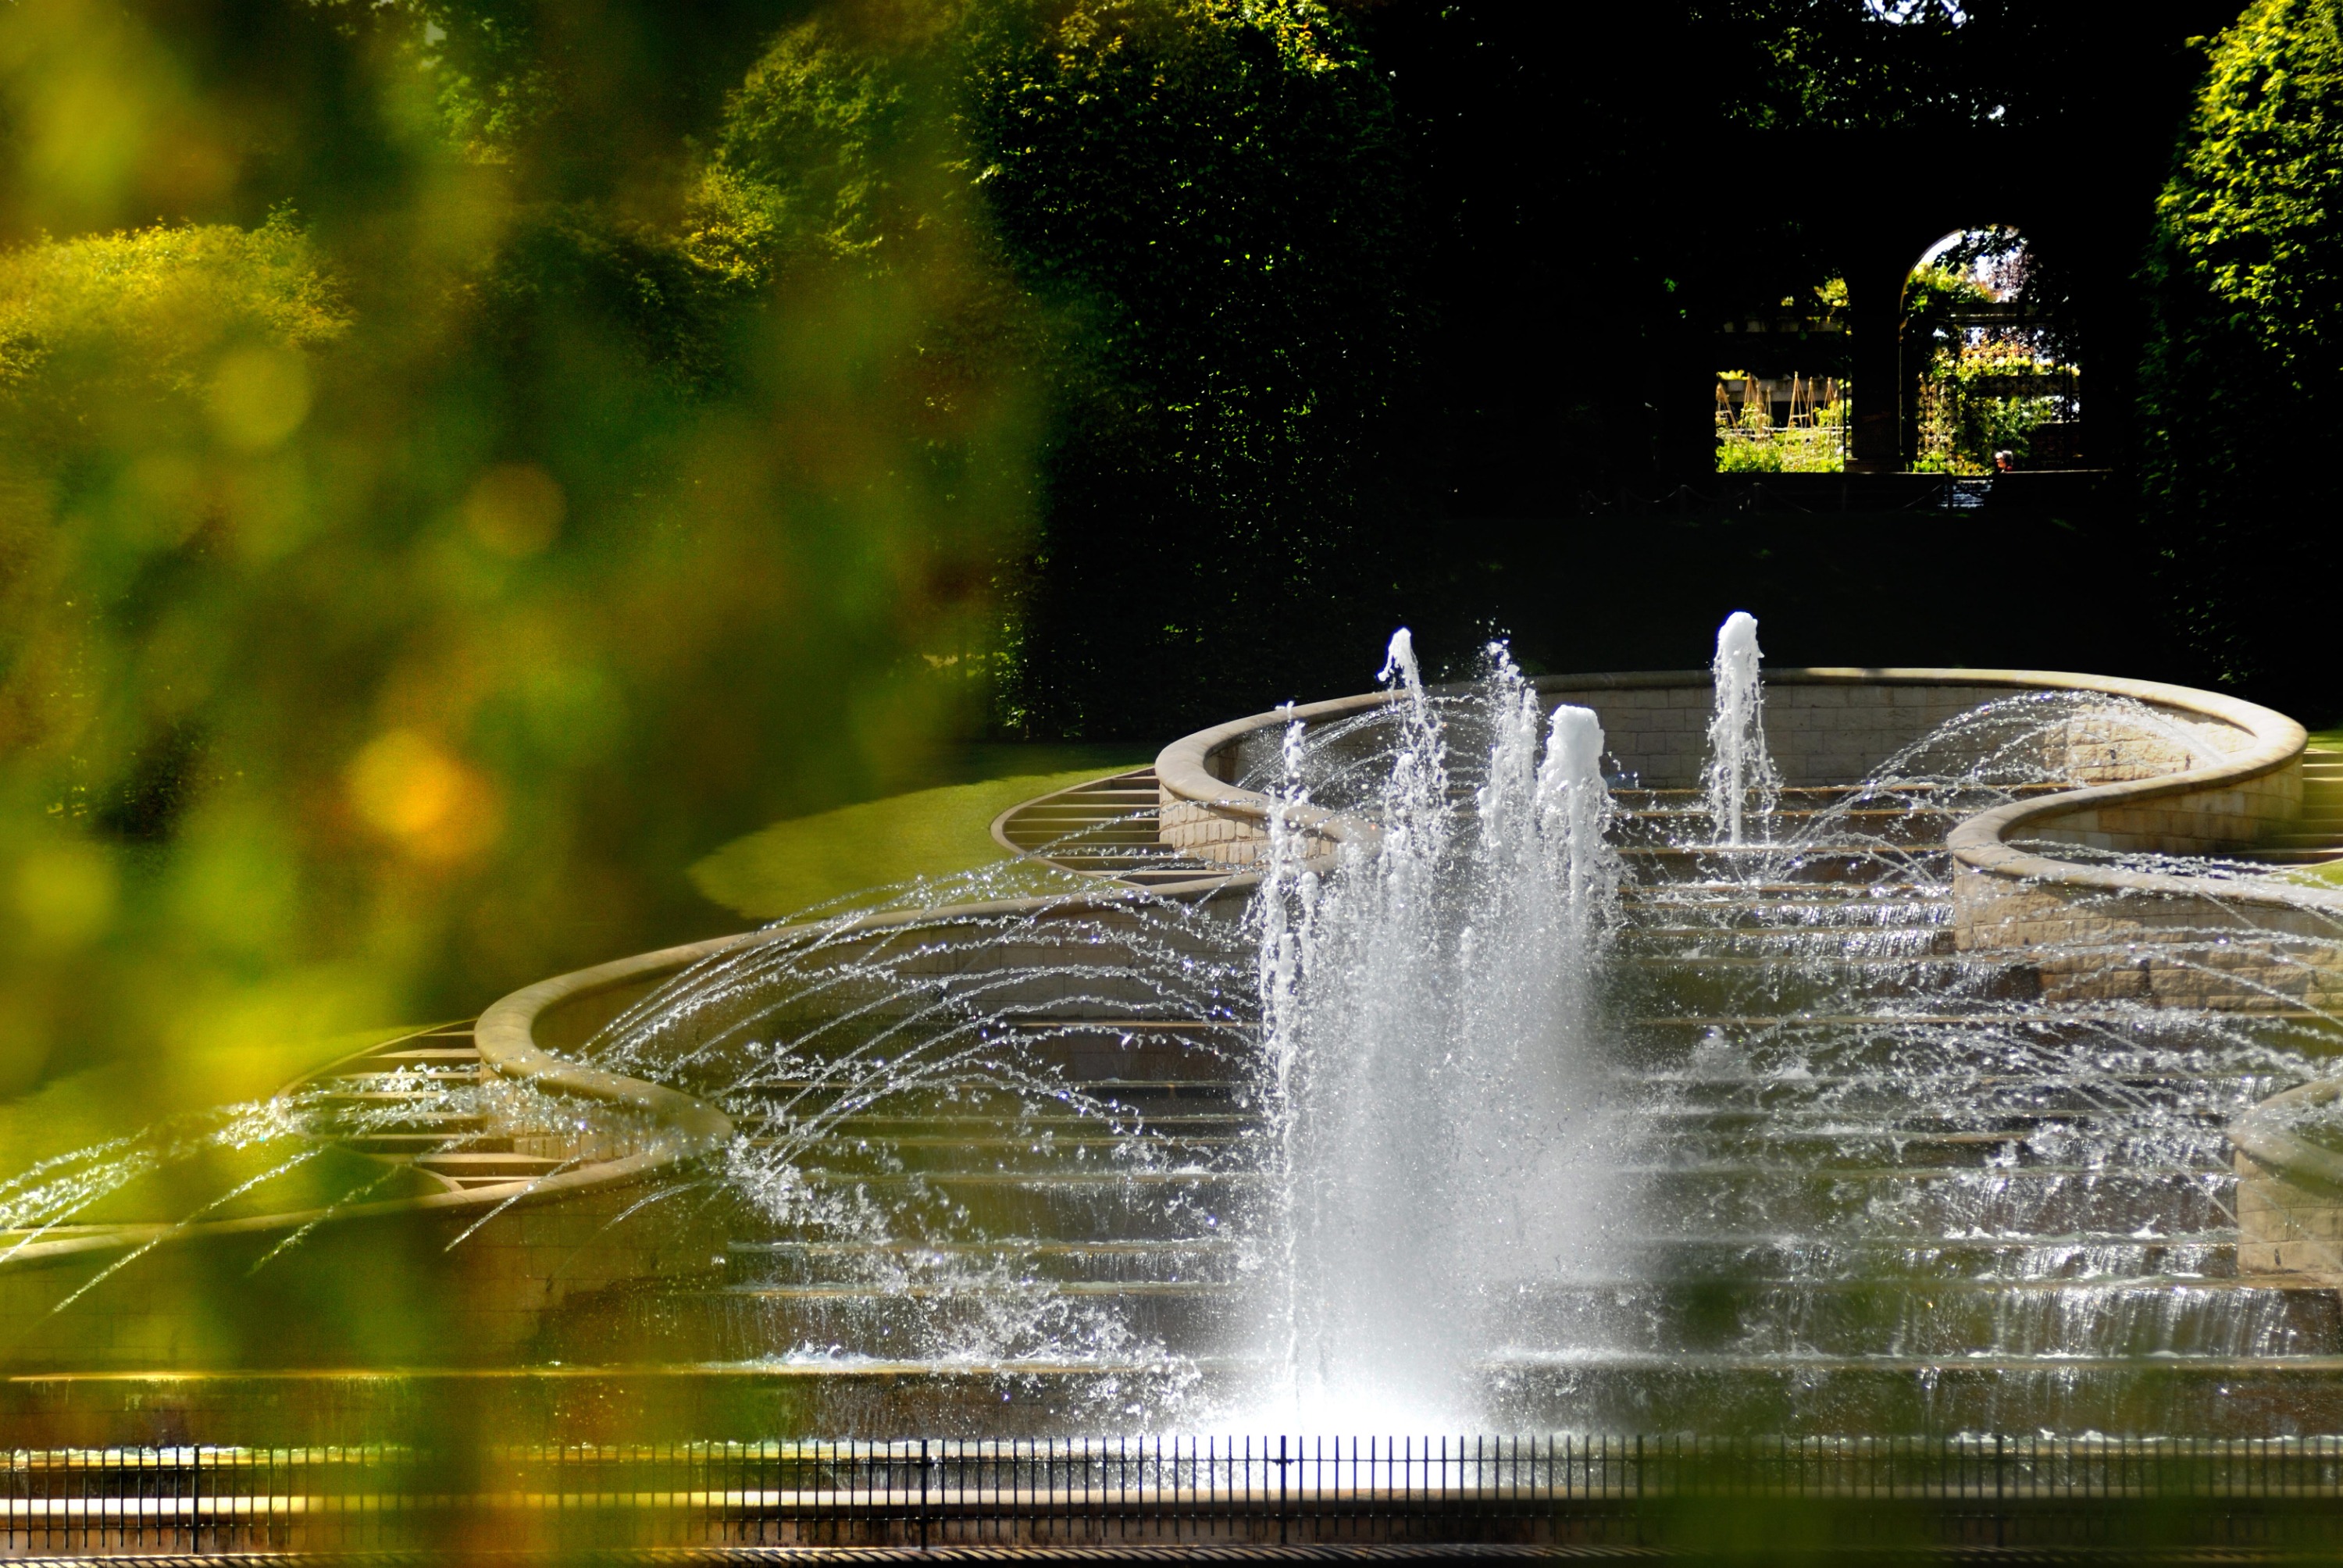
{"x":1427,"y":1011}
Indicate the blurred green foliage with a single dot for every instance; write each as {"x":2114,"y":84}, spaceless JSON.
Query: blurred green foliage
{"x":2245,"y":282}
{"x":421,"y":544}
{"x":461,"y":464}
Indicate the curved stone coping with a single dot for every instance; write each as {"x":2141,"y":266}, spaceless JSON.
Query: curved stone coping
{"x":2256,"y":1135}
{"x":506,"y":1043}
{"x":1980,"y":843}
{"x":1183,"y":770}
{"x":506,"y":1037}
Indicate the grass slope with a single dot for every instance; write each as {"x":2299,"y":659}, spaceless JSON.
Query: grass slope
{"x":808,"y":860}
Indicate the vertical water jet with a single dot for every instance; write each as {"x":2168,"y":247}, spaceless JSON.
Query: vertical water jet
{"x":1738,"y":763}
{"x":1425,"y":1019}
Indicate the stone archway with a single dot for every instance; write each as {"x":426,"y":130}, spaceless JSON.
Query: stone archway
{"x":1879,"y":274}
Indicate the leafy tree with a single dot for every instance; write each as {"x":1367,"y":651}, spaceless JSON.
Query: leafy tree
{"x":2247,"y":357}
{"x":1201,"y":204}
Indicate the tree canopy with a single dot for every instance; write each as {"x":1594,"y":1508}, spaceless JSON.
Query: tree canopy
{"x":1201,"y":207}
{"x":2247,"y":285}
{"x":459,"y":464}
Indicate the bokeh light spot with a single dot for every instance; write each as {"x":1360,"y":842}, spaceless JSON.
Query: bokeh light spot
{"x":258,"y":397}
{"x":514,"y":509}
{"x":413,"y":792}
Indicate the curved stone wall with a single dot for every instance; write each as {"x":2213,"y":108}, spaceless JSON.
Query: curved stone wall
{"x":2214,"y":774}
{"x":1834,"y":725}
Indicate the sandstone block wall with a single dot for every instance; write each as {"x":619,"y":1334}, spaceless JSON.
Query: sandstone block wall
{"x":2287,"y":1226}
{"x":1820,"y":729}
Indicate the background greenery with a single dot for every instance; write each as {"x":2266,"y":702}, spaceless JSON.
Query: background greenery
{"x":463,"y":464}
{"x":2245,"y":359}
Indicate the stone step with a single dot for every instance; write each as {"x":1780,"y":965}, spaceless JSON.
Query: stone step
{"x":1741,"y":984}
{"x":2178,"y":1092}
{"x":1189,"y":1258}
{"x":749,"y":1322}
{"x":919,"y":1152}
{"x":1910,"y":1262}
{"x":1907,"y":1204}
{"x":1101,"y":1206}
{"x":1887,"y":1202}
{"x":1857,"y":829}
{"x":2146,"y":1315}
{"x":596,"y":1399}
{"x":479,"y":1167}
{"x":2204,"y":1146}
{"x":403,"y":1145}
{"x":2149,"y":1316}
{"x":2145,"y":1396}
{"x":1143,"y":1097}
{"x":1079,"y":1056}
{"x":1636,"y":797}
{"x":2114,"y":1034}
{"x":1780,"y":866}
{"x":1009,"y":1123}
{"x":1871,"y":943}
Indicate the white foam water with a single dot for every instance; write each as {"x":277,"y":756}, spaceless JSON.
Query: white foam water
{"x":1740,"y":773}
{"x":1426,"y":1011}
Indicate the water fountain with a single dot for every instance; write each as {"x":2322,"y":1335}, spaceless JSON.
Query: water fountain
{"x":1820,"y":1073}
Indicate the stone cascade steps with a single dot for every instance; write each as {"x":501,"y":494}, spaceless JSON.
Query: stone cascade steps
{"x":1176,"y":1259}
{"x":402,"y":1102}
{"x":455,"y":1150}
{"x":2317,"y":837}
{"x":1750,"y":1317}
{"x":2203,"y":1396}
{"x":1105,"y":829}
{"x":1880,"y":1186}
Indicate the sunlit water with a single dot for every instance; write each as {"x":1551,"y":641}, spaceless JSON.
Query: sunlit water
{"x":1552,"y":1104}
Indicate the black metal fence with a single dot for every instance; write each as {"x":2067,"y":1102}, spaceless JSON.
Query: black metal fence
{"x":1160,"y":1491}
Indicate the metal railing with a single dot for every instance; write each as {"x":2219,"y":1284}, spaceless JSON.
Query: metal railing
{"x":1230,"y":1491}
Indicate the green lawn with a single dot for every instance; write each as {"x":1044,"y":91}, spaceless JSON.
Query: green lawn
{"x":2330,"y":874}
{"x":808,"y":860}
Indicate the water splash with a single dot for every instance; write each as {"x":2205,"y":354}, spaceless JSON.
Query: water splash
{"x":1389,"y":1137}
{"x":1739,"y":766}
{"x":1427,"y":1013}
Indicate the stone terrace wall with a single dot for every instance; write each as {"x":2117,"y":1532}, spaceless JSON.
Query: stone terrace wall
{"x":1819,"y":731}
{"x":1822,"y":727}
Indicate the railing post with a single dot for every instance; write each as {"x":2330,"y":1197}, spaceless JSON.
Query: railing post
{"x":923,"y":1491}
{"x":1281,"y":1489}
{"x":2000,"y":1506}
